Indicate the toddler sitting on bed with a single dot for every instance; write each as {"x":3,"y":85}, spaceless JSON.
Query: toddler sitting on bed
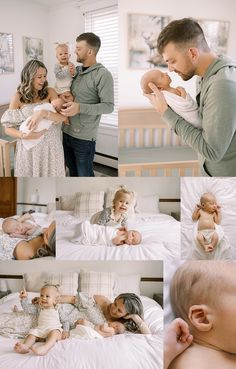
{"x":86,"y":330}
{"x":177,"y":98}
{"x":208,"y":215}
{"x":117,"y":214}
{"x":49,"y":321}
{"x":22,"y":227}
{"x":93,"y":234}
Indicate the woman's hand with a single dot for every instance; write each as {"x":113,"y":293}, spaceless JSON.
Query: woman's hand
{"x":157,"y":99}
{"x":35,"y":118}
{"x":34,"y":135}
{"x":142,"y":326}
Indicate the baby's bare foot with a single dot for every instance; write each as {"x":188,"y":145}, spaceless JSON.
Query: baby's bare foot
{"x":40,"y":350}
{"x":21,"y":348}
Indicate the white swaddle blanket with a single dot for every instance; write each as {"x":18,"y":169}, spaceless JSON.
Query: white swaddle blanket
{"x":221,"y":251}
{"x":84,"y":332}
{"x":186,"y":107}
{"x":94,"y":234}
{"x":43,"y":124}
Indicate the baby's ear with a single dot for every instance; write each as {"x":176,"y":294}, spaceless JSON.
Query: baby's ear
{"x":200,"y":317}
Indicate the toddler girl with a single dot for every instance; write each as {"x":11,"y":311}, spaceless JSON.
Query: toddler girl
{"x":49,"y":322}
{"x":64,"y":72}
{"x":117,"y":214}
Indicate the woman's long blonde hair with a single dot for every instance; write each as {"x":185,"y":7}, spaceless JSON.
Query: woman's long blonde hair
{"x":25,"y":89}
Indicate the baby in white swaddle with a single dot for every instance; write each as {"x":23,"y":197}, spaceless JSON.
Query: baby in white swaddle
{"x":93,"y":234}
{"x":207,"y":214}
{"x":21,"y":227}
{"x":86,"y":330}
{"x":177,"y":98}
{"x":43,"y":124}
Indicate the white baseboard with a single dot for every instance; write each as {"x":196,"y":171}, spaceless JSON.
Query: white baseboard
{"x":106,"y":161}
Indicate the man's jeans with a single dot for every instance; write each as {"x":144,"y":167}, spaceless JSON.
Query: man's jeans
{"x":79,"y":155}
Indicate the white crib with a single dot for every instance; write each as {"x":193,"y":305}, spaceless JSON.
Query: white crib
{"x":148,"y":147}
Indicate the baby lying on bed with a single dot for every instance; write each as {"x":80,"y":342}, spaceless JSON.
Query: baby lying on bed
{"x":208,"y":215}
{"x":93,"y":234}
{"x":22,"y":227}
{"x":177,"y":98}
{"x":86,"y":330}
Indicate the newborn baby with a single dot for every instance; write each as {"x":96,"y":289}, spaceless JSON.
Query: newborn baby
{"x":86,"y":330}
{"x":177,"y":98}
{"x":208,"y":214}
{"x":93,"y":234}
{"x":21,"y":227}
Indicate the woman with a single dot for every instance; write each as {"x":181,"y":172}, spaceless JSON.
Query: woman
{"x":126,"y":308}
{"x":46,"y":159}
{"x":43,"y":245}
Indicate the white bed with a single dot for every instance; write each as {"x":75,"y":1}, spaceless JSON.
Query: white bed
{"x":130,"y":351}
{"x":160,"y":239}
{"x":224,"y":190}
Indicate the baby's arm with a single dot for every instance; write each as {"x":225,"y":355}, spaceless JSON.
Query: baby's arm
{"x":177,"y":339}
{"x":65,"y":324}
{"x":218,"y":215}
{"x":25,"y":217}
{"x":120,"y":238}
{"x":181,"y":92}
{"x":142,"y":326}
{"x":26,"y":305}
{"x":104,"y":217}
{"x":196,"y":213}
{"x":30,"y":229}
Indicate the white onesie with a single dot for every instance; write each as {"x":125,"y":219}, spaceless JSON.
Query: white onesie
{"x":48,"y":320}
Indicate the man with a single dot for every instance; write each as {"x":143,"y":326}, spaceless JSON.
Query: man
{"x":184,"y":48}
{"x":93,"y":93}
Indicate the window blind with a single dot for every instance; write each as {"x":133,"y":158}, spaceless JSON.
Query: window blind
{"x":104,"y":23}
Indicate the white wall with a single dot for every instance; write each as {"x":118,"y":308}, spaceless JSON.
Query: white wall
{"x":130,"y":95}
{"x":166,"y":187}
{"x":142,"y":268}
{"x":21,"y":18}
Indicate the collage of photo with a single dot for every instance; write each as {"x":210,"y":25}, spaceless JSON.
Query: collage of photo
{"x":117,"y":184}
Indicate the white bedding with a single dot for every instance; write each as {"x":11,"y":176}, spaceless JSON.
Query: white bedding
{"x":224,"y":190}
{"x":160,"y":240}
{"x":130,"y":351}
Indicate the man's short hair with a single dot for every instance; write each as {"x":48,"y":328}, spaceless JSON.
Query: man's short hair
{"x":182,"y":32}
{"x":92,"y":40}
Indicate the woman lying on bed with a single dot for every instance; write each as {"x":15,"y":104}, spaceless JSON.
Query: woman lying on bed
{"x":126,"y":308}
{"x":16,"y":248}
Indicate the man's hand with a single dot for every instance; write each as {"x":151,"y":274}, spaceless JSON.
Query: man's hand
{"x":70,"y":109}
{"x":157,"y":99}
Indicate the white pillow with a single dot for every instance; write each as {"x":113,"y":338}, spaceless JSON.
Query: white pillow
{"x":97,"y":283}
{"x":127,"y":283}
{"x":88,"y":203}
{"x":147,"y":204}
{"x":110,"y":194}
{"x":68,"y":281}
{"x":67,"y":202}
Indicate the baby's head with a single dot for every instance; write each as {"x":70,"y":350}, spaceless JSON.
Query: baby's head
{"x":122,"y":200}
{"x":11,"y":225}
{"x":208,"y":202}
{"x":118,"y":327}
{"x":133,"y":237}
{"x":49,"y":296}
{"x":203,"y":293}
{"x":160,"y":79}
{"x":62,"y":53}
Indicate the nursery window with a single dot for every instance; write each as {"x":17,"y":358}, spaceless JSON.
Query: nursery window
{"x":104,"y":23}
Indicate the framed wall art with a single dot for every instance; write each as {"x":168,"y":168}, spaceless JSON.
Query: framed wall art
{"x":32,"y":49}
{"x":216,"y":33}
{"x":143,"y":31}
{"x":6,"y":53}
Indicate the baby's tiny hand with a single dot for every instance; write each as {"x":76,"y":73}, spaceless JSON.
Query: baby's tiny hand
{"x":65,"y":334}
{"x":23,"y":294}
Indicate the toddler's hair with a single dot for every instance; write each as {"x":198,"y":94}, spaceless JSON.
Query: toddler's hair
{"x":63,"y":45}
{"x":198,"y":282}
{"x":122,"y":191}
